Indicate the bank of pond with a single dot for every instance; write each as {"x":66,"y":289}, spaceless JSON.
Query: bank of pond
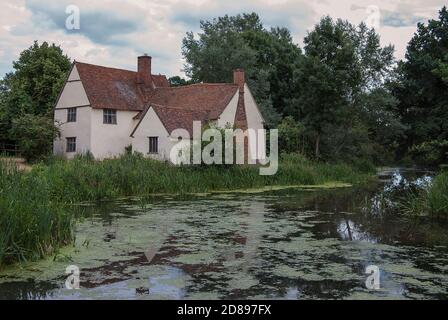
{"x":38,"y":209}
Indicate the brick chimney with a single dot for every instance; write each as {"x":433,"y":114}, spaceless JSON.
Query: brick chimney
{"x":144,"y":70}
{"x":239,"y":78}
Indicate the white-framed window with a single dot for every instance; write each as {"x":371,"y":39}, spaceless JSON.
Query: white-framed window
{"x":153,"y":145}
{"x":71,"y":144}
{"x":109,"y":116}
{"x":71,"y":115}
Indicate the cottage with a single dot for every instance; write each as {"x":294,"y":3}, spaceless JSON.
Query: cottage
{"x":104,"y":110}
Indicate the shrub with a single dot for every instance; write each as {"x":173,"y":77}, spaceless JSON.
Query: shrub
{"x":430,"y":153}
{"x":438,"y":195}
{"x":35,"y":135}
{"x":432,"y":200}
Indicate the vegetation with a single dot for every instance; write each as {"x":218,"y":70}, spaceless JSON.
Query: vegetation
{"x":342,"y":65}
{"x":34,"y":218}
{"x":32,"y":134}
{"x":29,"y":94}
{"x":32,"y":223}
{"x":346,"y":92}
{"x":84,"y":179}
{"x":335,"y":90}
{"x":343,"y":95}
{"x":432,"y":200}
{"x":342,"y":101}
{"x":269,"y":58}
{"x":431,"y":153}
{"x":422,"y":90}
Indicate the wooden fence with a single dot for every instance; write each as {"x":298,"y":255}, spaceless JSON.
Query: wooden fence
{"x":10,"y":149}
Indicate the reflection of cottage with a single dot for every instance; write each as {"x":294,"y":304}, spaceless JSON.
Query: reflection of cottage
{"x":104,"y":110}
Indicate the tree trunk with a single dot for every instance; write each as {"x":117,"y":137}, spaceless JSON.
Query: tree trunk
{"x":317,"y":151}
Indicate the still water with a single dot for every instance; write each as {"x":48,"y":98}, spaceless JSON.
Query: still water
{"x":290,"y":244}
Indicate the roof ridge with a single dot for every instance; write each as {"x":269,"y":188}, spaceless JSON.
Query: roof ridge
{"x":101,"y":66}
{"x":179,"y":108}
{"x":201,"y":84}
{"x":119,"y":69}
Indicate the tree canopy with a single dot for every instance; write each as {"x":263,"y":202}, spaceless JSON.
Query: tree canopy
{"x":32,"y":88}
{"x":422,"y":86}
{"x":342,"y":67}
{"x":233,"y":42}
{"x":328,"y":89}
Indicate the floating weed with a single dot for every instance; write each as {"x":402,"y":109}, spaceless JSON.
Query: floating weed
{"x":86,"y":243}
{"x":240,"y":247}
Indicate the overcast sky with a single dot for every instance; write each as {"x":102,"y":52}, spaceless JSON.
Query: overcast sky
{"x":115,"y":32}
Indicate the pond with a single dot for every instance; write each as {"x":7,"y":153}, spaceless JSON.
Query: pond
{"x":285,"y":244}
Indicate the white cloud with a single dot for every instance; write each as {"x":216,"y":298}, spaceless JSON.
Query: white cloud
{"x":114,"y":32}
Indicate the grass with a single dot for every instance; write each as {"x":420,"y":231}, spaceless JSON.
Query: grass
{"x":432,"y":201}
{"x":32,"y":224}
{"x":87,"y":180}
{"x":34,"y":218}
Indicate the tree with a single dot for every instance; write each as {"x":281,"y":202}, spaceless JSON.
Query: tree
{"x":328,"y":76}
{"x":27,"y":96}
{"x":378,"y":110}
{"x":34,"y":135}
{"x":33,"y":86}
{"x":422,"y":87}
{"x":343,"y":64}
{"x":291,"y":136}
{"x":177,"y":81}
{"x":268,"y":57}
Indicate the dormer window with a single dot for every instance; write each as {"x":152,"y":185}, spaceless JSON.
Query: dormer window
{"x":109,"y":116}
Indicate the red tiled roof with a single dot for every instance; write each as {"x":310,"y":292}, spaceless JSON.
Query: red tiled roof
{"x":177,"y":107}
{"x":160,"y":81}
{"x":201,"y":96}
{"x":176,"y":118}
{"x":110,"y":88}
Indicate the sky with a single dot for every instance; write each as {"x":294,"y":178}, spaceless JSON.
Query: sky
{"x":114,"y":32}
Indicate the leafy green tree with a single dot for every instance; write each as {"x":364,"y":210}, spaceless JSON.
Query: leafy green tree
{"x":326,"y":79}
{"x":343,"y":64}
{"x":34,"y":135}
{"x":27,"y":97}
{"x":378,"y":110}
{"x":291,"y":136}
{"x":177,"y":81}
{"x":422,"y":87}
{"x":33,"y":86}
{"x":231,"y":42}
{"x":431,"y":153}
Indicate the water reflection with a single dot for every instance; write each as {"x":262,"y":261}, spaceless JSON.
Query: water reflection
{"x":348,"y":230}
{"x":285,"y":245}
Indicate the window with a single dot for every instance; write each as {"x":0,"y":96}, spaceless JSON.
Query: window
{"x":109,"y":116}
{"x":71,"y":144}
{"x":153,"y":144}
{"x":71,"y":115}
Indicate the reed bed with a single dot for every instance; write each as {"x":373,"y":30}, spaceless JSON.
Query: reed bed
{"x":430,"y":201}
